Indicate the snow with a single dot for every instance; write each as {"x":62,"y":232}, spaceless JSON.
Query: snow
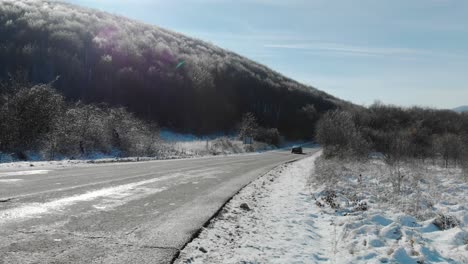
{"x":276,"y":230}
{"x":113,"y":195}
{"x":177,"y":146}
{"x":10,"y":180}
{"x":290,"y":219}
{"x":20,"y":173}
{"x":45,"y":166}
{"x":107,"y":198}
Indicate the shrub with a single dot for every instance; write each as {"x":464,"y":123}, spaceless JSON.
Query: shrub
{"x":37,"y":119}
{"x":27,"y":115}
{"x":223,"y":145}
{"x":395,"y":154}
{"x":79,"y":132}
{"x":338,"y":134}
{"x":270,"y":136}
{"x":444,"y":222}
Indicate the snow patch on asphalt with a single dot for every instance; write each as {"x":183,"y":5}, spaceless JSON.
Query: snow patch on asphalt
{"x":118,"y":192}
{"x":107,"y":198}
{"x":22,"y":173}
{"x":9,"y":180}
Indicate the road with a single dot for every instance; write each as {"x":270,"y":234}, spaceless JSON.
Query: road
{"x":141,"y":212}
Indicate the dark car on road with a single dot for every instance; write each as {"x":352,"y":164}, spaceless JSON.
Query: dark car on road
{"x":297,"y":150}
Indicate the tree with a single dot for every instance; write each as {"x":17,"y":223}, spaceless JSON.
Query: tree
{"x":27,"y":116}
{"x":139,"y":66}
{"x":248,"y":127}
{"x":449,"y":147}
{"x":464,"y":162}
{"x":270,"y":136}
{"x":310,"y":112}
{"x":80,"y":131}
{"x":131,"y":135}
{"x":396,"y":153}
{"x":338,"y":134}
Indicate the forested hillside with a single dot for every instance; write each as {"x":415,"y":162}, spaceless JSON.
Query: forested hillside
{"x":179,"y":82}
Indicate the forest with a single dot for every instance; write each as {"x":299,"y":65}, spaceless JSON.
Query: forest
{"x":70,"y":73}
{"x":183,"y":84}
{"x":398,"y":134}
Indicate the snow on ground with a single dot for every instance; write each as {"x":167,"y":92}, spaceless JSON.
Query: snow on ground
{"x":280,"y":226}
{"x":34,"y":165}
{"x":289,"y":216}
{"x":106,"y":198}
{"x":379,"y":224}
{"x":187,"y":146}
{"x":19,"y":173}
{"x":114,"y":197}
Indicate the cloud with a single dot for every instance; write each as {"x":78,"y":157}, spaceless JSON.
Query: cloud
{"x":261,"y":2}
{"x":359,"y":50}
{"x":332,"y":47}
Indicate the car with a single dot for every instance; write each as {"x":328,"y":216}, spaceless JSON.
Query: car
{"x":297,"y":150}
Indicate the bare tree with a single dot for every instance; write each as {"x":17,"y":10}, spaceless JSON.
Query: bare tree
{"x":310,"y":112}
{"x":464,"y":158}
{"x":396,"y":155}
{"x":28,"y":114}
{"x":248,"y":127}
{"x":338,"y":134}
{"x":449,"y":147}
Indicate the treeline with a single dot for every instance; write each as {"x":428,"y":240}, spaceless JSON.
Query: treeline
{"x":35,"y":120}
{"x":179,"y":82}
{"x":397,"y":133}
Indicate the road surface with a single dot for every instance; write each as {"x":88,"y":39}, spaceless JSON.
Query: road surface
{"x":141,"y":212}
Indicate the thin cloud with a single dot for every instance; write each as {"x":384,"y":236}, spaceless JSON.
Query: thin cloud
{"x":345,"y":48}
{"x":357,"y":50}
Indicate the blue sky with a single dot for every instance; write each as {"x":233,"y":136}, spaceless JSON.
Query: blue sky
{"x":399,"y":51}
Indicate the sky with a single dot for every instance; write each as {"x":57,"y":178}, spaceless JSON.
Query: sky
{"x":393,"y":51}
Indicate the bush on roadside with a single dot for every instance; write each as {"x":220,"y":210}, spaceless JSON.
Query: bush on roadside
{"x":27,"y":114}
{"x":269,"y":136}
{"x":36,"y":119}
{"x":340,"y":137}
{"x":223,"y":145}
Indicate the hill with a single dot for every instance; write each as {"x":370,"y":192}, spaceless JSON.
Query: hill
{"x":461,"y":109}
{"x":183,"y":83}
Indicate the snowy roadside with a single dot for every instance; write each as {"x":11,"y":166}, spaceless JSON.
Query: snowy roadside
{"x":172,"y":151}
{"x":283,"y":218}
{"x":36,"y":167}
{"x":272,"y":220}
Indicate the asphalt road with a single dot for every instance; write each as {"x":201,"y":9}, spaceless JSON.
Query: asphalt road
{"x":141,"y":212}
